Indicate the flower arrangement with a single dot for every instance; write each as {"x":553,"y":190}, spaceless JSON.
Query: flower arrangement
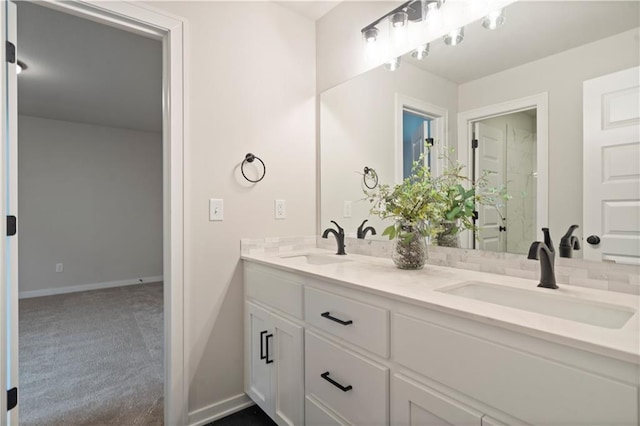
{"x":433,"y":205}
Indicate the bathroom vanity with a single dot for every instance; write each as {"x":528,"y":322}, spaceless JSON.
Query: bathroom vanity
{"x":354,"y":340}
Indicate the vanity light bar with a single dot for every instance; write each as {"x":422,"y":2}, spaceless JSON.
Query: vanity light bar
{"x":412,"y":9}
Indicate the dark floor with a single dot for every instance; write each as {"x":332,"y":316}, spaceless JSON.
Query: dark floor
{"x":252,"y":416}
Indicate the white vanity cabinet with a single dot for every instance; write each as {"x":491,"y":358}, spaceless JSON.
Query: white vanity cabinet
{"x":343,"y":355}
{"x":274,"y":345}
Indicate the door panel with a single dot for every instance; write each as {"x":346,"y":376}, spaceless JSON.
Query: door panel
{"x":9,"y":254}
{"x":258,"y":381}
{"x":415,"y":404}
{"x":611,"y":124}
{"x":490,"y":156}
{"x":287,"y":382}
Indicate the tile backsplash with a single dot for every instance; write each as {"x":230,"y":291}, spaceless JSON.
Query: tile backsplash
{"x":584,"y":273}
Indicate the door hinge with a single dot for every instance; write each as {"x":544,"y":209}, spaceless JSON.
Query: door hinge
{"x":11,"y":52}
{"x":502,"y":228}
{"x":12,"y":225}
{"x":475,"y":216}
{"x":429,"y":141}
{"x":12,"y":398}
{"x":474,"y":143}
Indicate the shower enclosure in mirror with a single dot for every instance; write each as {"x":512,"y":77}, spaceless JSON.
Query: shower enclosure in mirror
{"x":518,"y":90}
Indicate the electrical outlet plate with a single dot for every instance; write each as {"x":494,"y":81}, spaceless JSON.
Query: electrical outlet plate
{"x":59,"y":267}
{"x":280,"y":207}
{"x":347,"y":209}
{"x":216,"y":209}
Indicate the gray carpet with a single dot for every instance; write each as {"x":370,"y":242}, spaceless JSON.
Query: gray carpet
{"x":92,"y":358}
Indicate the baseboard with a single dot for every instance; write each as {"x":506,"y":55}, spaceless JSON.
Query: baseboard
{"x":219,"y":410}
{"x":86,"y":287}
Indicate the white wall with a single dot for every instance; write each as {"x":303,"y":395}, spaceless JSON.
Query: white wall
{"x":358,"y":129}
{"x":250,"y":88}
{"x":90,"y":197}
{"x":561,"y":76}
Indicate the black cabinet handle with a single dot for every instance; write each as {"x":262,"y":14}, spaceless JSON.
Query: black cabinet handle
{"x":327,"y":315}
{"x":262,"y":355}
{"x":266,"y":339}
{"x":334,"y":383}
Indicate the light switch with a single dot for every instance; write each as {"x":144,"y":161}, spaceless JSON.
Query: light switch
{"x":216,"y":209}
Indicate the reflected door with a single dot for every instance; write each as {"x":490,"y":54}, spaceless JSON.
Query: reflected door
{"x":612,"y":167}
{"x":490,"y":156}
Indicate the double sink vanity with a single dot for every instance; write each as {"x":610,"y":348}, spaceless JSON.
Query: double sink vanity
{"x":353,"y":340}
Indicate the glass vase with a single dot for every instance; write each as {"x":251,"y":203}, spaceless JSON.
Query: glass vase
{"x":449,"y":236}
{"x":410,"y":247}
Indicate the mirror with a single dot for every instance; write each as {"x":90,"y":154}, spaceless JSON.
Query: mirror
{"x":523,"y":81}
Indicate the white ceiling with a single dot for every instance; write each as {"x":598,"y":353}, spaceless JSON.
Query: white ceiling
{"x":533,"y":30}
{"x":82,"y":71}
{"x":311,"y":9}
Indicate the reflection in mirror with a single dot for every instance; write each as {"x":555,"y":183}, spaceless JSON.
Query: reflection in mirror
{"x":519,"y":88}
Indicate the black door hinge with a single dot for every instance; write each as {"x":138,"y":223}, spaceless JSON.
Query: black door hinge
{"x":11,"y":52}
{"x":429,"y":141}
{"x":474,"y":143}
{"x":475,"y":216}
{"x":502,"y":228}
{"x":12,"y":225}
{"x":12,"y":398}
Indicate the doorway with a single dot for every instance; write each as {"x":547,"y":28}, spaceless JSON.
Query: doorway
{"x":169,"y":30}
{"x":495,"y":159}
{"x":419,"y":124}
{"x":504,"y":155}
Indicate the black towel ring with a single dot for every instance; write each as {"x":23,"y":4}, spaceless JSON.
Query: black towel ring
{"x":249,"y":159}
{"x":369,"y":176}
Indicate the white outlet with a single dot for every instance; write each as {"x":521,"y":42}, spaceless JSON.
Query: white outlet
{"x":216,"y":209}
{"x":280,"y":207}
{"x":347,"y":209}
{"x":59,"y":267}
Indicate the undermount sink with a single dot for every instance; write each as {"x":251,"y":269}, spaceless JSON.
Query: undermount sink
{"x":318,"y":259}
{"x":593,"y":313}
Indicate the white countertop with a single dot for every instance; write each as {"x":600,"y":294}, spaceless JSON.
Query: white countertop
{"x":380,"y":276}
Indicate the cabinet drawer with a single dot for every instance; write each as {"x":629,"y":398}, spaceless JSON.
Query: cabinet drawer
{"x":521,"y":384}
{"x":368,"y":326}
{"x":366,"y":401}
{"x":276,"y":288}
{"x":316,"y":415}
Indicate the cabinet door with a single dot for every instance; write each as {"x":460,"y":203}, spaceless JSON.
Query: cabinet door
{"x":257,"y":371}
{"x":415,"y":404}
{"x":287,"y":374}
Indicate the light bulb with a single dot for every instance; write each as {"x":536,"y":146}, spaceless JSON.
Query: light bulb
{"x":420,"y":52}
{"x":455,"y":37}
{"x":392,"y":64}
{"x":370,"y":34}
{"x":493,"y":20}
{"x":399,"y":19}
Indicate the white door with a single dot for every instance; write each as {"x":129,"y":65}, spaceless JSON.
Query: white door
{"x":611,"y":184}
{"x":258,"y":337}
{"x":287,"y":374}
{"x":490,"y":156}
{"x":8,"y":201}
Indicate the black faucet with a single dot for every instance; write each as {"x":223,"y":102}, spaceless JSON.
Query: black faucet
{"x":544,"y":252}
{"x":569,"y":243}
{"x":363,"y":232}
{"x":339,"y":234}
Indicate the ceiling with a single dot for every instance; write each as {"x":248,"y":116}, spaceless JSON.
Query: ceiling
{"x":82,"y":71}
{"x":312,"y":9}
{"x":533,"y":30}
